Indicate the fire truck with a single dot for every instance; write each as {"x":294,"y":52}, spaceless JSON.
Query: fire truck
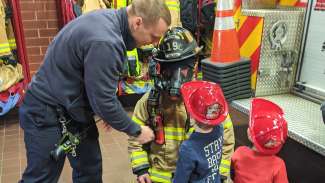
{"x":287,"y":50}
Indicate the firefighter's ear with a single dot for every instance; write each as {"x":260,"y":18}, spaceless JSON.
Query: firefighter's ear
{"x":138,"y":21}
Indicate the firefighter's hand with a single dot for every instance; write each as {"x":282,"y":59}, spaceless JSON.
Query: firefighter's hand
{"x":145,"y":178}
{"x":146,"y":135}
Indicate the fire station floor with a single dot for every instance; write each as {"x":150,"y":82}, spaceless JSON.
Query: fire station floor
{"x":116,"y":166}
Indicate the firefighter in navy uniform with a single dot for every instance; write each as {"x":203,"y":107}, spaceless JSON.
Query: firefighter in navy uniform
{"x":78,"y":79}
{"x":163,"y":109}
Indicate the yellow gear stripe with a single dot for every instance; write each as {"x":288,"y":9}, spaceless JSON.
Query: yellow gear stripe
{"x":172,"y":5}
{"x":227,"y":123}
{"x":134,"y":53}
{"x":225,"y":162}
{"x":139,"y":158}
{"x":224,"y":167}
{"x":171,"y":137}
{"x":4,"y":50}
{"x":120,"y":4}
{"x":138,"y":121}
{"x":160,"y":176}
{"x":4,"y":45}
{"x":140,"y":161}
{"x":12,"y":43}
{"x":173,"y":129}
{"x":172,"y":133}
{"x":199,"y":76}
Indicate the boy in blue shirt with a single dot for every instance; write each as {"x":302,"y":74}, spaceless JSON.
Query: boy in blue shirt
{"x":200,"y":155}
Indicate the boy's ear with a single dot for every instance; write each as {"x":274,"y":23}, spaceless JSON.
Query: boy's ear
{"x":249,"y":135}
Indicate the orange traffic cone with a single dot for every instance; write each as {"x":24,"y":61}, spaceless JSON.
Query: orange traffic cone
{"x":225,"y":42}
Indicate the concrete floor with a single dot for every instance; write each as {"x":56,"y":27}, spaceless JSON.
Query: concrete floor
{"x":116,"y":166}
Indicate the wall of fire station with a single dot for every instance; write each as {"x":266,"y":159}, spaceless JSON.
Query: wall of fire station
{"x":40,"y":24}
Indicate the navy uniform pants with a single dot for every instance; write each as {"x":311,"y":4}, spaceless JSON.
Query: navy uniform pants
{"x":41,"y":132}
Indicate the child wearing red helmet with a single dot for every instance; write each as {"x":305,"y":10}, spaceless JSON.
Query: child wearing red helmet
{"x":200,"y":155}
{"x":267,"y":131}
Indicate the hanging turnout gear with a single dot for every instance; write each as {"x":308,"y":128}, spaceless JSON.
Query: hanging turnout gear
{"x":196,"y":13}
{"x":205,"y":102}
{"x":267,"y":126}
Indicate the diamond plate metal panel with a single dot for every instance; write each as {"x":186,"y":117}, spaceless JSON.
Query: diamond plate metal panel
{"x":304,"y":118}
{"x":279,"y":56}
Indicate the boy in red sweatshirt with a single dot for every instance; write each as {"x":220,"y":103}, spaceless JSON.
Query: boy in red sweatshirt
{"x":267,"y":131}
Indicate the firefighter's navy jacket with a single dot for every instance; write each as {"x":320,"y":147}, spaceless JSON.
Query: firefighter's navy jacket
{"x":82,"y":67}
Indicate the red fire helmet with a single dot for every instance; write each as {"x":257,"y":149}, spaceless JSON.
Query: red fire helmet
{"x":267,"y":126}
{"x":205,"y":102}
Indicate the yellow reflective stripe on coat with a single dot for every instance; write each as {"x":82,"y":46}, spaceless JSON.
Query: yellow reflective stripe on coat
{"x":138,"y":121}
{"x":4,"y":48}
{"x":227,"y":123}
{"x":172,"y":133}
{"x":199,"y":76}
{"x":119,"y":4}
{"x":12,"y":43}
{"x":224,"y":167}
{"x":139,"y":158}
{"x":134,"y":53}
{"x":160,"y":176}
{"x":173,"y":5}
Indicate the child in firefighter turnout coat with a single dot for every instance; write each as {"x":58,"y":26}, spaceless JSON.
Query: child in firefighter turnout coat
{"x":200,"y":155}
{"x":172,"y":65}
{"x":267,"y":131}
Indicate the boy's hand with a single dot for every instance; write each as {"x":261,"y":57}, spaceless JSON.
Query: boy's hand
{"x":145,"y":178}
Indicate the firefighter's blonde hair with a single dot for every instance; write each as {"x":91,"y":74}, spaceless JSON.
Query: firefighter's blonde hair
{"x":151,"y":11}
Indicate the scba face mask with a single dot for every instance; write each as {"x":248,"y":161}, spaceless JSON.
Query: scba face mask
{"x":170,"y":76}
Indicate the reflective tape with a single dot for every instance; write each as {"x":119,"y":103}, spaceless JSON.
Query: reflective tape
{"x":224,"y":23}
{"x":139,"y":158}
{"x":224,"y":167}
{"x":227,"y":123}
{"x":224,"y":5}
{"x":138,"y":121}
{"x":160,"y":176}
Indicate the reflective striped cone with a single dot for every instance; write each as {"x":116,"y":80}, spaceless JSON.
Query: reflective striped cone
{"x":225,"y":42}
